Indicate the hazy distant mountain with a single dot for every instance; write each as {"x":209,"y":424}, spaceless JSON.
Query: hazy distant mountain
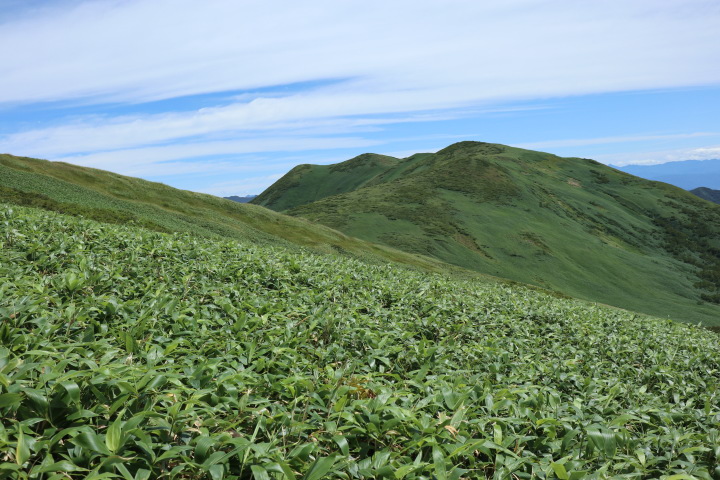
{"x":707,"y":194}
{"x":245,"y":199}
{"x":688,"y":174}
{"x":567,"y":224}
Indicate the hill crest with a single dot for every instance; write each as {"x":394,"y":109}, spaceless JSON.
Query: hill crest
{"x":567,"y":224}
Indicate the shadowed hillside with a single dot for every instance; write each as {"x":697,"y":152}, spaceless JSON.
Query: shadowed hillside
{"x":707,"y":194}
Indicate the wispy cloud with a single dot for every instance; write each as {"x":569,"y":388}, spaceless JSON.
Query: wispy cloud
{"x":662,"y":156}
{"x":579,"y":142}
{"x":305,"y":114}
{"x":138,"y":51}
{"x":151,"y":161}
{"x":322,"y":74}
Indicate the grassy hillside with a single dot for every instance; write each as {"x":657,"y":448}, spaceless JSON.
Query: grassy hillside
{"x":308,"y":183}
{"x":566,"y":224}
{"x":108,"y":197}
{"x":127,"y":353}
{"x":707,"y":194}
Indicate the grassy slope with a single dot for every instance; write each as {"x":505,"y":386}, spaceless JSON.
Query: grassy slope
{"x":707,"y":194}
{"x":309,"y":183}
{"x":109,"y":197}
{"x":126,"y":353}
{"x":566,"y":224}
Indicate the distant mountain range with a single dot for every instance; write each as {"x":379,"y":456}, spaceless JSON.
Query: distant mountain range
{"x":245,"y":199}
{"x":707,"y":193}
{"x":688,"y":174}
{"x":568,"y":224}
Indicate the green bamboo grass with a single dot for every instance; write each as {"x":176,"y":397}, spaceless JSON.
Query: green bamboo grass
{"x":132,"y":354}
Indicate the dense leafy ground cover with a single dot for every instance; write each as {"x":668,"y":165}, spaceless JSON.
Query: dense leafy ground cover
{"x":133,"y":354}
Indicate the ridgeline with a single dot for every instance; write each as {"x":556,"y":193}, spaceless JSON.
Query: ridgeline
{"x":567,"y":224}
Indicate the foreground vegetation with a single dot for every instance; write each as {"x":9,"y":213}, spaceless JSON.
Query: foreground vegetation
{"x":133,"y":354}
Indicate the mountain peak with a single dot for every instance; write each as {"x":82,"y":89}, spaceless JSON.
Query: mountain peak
{"x":568,"y":224}
{"x":365,"y":160}
{"x":484,"y":148}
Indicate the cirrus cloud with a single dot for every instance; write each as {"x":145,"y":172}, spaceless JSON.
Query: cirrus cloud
{"x":320,"y":73}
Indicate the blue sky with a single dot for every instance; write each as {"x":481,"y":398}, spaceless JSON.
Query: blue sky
{"x":224,"y":97}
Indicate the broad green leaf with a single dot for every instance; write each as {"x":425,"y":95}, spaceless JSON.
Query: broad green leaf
{"x":91,"y":441}
{"x":217,"y":472}
{"x":281,"y":468}
{"x":10,"y":399}
{"x":61,"y":466}
{"x":320,"y":468}
{"x":73,"y":390}
{"x":22,"y":451}
{"x":259,"y":473}
{"x":560,"y":471}
{"x":441,"y":466}
{"x":142,"y":474}
{"x":113,"y":437}
{"x":603,"y":440}
{"x":404,"y":470}
{"x":202,"y":447}
{"x":342,"y":443}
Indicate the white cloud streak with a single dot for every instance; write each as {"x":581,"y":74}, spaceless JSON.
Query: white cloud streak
{"x":150,"y":161}
{"x":661,"y":156}
{"x":363,"y":60}
{"x":458,"y":50}
{"x":581,"y":142}
{"x":298,"y":113}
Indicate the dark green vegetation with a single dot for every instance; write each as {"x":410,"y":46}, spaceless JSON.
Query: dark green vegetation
{"x":566,"y":224}
{"x":707,"y":194}
{"x":112,"y":198}
{"x":127,"y":353}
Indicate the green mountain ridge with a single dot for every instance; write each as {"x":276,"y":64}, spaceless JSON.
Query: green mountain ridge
{"x":707,"y":194}
{"x":308,"y":183}
{"x":113,"y":198}
{"x":566,"y":224}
